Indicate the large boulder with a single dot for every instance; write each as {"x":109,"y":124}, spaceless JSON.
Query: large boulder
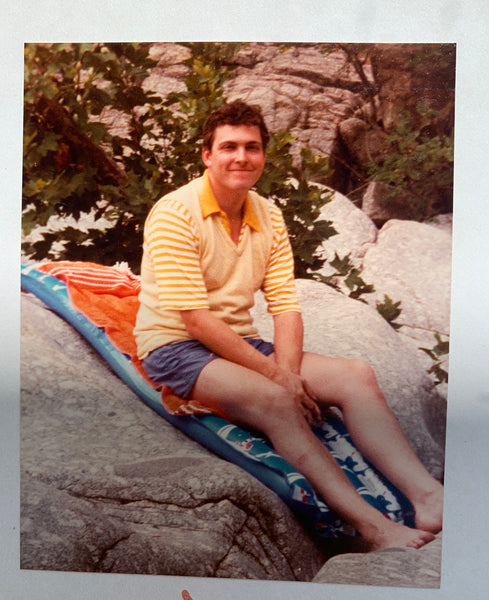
{"x":393,"y":567}
{"x":355,"y":233}
{"x":108,"y":485}
{"x":407,"y":261}
{"x":299,"y":88}
{"x":411,"y":262}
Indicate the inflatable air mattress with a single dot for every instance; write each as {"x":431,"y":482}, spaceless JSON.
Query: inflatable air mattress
{"x":247,"y":450}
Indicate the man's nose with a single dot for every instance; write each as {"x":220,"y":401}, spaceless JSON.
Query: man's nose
{"x":241,"y":154}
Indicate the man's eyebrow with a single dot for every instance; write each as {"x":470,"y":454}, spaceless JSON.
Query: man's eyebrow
{"x":235,"y":142}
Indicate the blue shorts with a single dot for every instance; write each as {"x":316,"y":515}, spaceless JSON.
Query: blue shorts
{"x":178,"y":365}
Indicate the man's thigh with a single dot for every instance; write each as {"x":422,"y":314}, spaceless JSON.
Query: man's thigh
{"x":241,"y":394}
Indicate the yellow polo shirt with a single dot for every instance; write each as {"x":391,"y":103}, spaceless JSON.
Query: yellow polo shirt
{"x":190,"y":262}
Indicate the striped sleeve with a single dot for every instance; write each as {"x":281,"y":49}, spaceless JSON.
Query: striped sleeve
{"x":278,"y":285}
{"x":172,"y":241}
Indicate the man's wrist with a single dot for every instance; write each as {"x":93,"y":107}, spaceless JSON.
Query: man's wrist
{"x":290,"y":364}
{"x":273,"y":370}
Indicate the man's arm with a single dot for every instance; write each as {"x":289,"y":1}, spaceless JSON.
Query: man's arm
{"x":216,"y":335}
{"x":288,"y":340}
{"x":226,"y":343}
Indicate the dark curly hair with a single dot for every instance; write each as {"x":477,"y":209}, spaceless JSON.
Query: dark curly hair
{"x":234,"y":113}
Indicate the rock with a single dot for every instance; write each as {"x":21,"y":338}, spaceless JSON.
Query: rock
{"x":411,"y":262}
{"x":108,"y":485}
{"x":380,"y":210}
{"x":408,"y":261}
{"x":444,"y":221}
{"x":355,"y":232}
{"x":336,"y":325}
{"x":364,"y":143}
{"x":170,"y":72}
{"x":296,"y":87}
{"x":394,"y":567}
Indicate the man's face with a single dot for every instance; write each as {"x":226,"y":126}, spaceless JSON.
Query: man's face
{"x":236,"y":159}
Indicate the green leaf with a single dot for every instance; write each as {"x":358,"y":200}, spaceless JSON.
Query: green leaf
{"x":48,"y":144}
{"x":341,"y":265}
{"x":390,"y":310}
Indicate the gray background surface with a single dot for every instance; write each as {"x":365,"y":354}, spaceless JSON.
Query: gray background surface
{"x":465,"y":551}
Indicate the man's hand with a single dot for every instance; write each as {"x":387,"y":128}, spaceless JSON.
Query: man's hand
{"x":301,"y":393}
{"x":288,"y":339}
{"x":222,"y":340}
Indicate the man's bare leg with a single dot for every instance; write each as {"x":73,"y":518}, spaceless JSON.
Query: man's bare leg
{"x":352,"y":387}
{"x":247,"y":398}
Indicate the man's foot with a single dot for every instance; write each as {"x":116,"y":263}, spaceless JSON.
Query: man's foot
{"x":429,"y":510}
{"x":395,"y":535}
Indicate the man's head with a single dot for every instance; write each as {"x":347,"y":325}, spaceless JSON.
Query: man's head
{"x":234,"y":113}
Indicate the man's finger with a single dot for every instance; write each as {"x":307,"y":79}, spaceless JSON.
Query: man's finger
{"x":312,"y":408}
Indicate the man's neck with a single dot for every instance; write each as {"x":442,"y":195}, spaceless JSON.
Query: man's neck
{"x":230,"y":201}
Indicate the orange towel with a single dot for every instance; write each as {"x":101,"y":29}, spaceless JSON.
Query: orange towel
{"x":108,"y":297}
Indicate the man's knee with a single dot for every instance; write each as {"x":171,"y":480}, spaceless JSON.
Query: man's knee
{"x":363,"y":375}
{"x":274,"y":404}
{"x":362,"y":371}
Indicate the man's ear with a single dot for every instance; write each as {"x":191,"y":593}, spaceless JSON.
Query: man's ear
{"x":206,"y":156}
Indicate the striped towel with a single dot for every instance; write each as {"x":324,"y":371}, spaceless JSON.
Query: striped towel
{"x":108,"y":297}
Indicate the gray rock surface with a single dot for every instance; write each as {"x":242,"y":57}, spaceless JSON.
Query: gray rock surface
{"x":355,"y":233}
{"x":375,"y":206}
{"x":411,"y":262}
{"x":299,"y":89}
{"x":408,"y":261}
{"x":108,"y":485}
{"x":394,"y":567}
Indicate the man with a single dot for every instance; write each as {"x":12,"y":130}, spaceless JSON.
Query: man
{"x":208,"y":248}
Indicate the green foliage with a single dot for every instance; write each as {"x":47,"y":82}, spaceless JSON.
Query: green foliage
{"x":390,"y":310}
{"x":290,"y":187}
{"x":438,"y":57}
{"x":440,"y":349}
{"x":75,"y":164}
{"x":418,"y":167}
{"x":350,"y":276}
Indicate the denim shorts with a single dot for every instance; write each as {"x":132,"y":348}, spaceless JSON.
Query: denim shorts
{"x":179,"y":364}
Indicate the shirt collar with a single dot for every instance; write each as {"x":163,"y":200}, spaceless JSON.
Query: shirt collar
{"x":209,"y":205}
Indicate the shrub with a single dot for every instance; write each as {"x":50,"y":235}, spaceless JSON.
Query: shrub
{"x":418,"y":166}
